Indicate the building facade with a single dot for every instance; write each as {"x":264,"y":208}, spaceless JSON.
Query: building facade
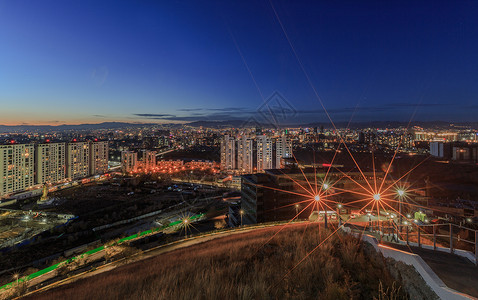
{"x":16,"y":168}
{"x":228,"y":153}
{"x":50,"y":163}
{"x":283,"y":150}
{"x":149,"y":159}
{"x":264,"y":153}
{"x":98,"y":157}
{"x":129,"y":161}
{"x":77,"y":160}
{"x":245,"y":161}
{"x":275,"y":195}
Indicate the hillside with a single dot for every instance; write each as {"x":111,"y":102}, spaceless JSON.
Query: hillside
{"x":241,"y":267}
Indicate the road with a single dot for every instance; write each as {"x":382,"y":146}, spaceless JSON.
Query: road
{"x":164,"y":152}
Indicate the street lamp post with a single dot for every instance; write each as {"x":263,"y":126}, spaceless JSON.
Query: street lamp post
{"x":339,"y":206}
{"x":400,"y":193}
{"x":325,"y":186}
{"x":377,"y":198}
{"x":296,"y":210}
{"x":186,"y":221}
{"x":241,"y":212}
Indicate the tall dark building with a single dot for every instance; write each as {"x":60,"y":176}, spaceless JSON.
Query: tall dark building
{"x":361,"y":138}
{"x":263,"y":198}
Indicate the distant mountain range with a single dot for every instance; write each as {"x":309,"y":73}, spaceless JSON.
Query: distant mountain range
{"x":233,"y":123}
{"x":353,"y":125}
{"x":65,"y":127}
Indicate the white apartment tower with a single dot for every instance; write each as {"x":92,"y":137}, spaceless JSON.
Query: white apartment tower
{"x":129,"y":161}
{"x":149,"y":159}
{"x":16,"y":168}
{"x":228,"y":153}
{"x":98,"y":157}
{"x":50,"y":164}
{"x":283,"y":149}
{"x":264,"y":153}
{"x":77,"y":160}
{"x":244,"y":154}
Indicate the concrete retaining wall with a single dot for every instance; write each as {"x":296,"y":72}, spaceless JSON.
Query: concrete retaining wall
{"x":433,"y":281}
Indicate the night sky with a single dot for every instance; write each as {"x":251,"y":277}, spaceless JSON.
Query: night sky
{"x":163,"y":61}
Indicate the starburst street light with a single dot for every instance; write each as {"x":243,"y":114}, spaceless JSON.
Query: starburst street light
{"x":317,"y":198}
{"x":325,"y":186}
{"x":376,"y":197}
{"x":401,"y":192}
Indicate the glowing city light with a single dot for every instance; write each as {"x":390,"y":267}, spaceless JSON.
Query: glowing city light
{"x":317,"y":198}
{"x":376,"y":197}
{"x":400,"y":192}
{"x":325,"y":186}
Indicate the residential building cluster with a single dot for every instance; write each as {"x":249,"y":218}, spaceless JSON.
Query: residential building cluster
{"x":22,"y":166}
{"x":131,"y":162}
{"x":246,"y":154}
{"x":145,"y":161}
{"x":173,"y":166}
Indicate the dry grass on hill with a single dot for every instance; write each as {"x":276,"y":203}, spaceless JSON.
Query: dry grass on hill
{"x":237,"y":267}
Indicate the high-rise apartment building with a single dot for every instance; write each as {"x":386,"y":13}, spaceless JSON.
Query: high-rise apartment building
{"x":98,"y":157}
{"x":283,"y":149}
{"x":244,"y":154}
{"x":129,"y":161}
{"x":264,"y":153}
{"x":228,"y":153}
{"x":77,"y":160}
{"x":149,"y":159}
{"x":16,"y":168}
{"x":50,"y":164}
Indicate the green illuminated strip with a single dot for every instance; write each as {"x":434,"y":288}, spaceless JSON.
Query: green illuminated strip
{"x":90,"y":252}
{"x":174,"y":223}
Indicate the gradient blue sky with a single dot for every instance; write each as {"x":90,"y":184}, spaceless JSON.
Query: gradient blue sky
{"x":163,"y":61}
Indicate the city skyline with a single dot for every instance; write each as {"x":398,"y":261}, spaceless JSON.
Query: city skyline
{"x":174,"y":63}
{"x":265,"y":149}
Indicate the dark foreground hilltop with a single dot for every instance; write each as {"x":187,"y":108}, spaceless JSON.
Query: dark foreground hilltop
{"x":244,"y":266}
